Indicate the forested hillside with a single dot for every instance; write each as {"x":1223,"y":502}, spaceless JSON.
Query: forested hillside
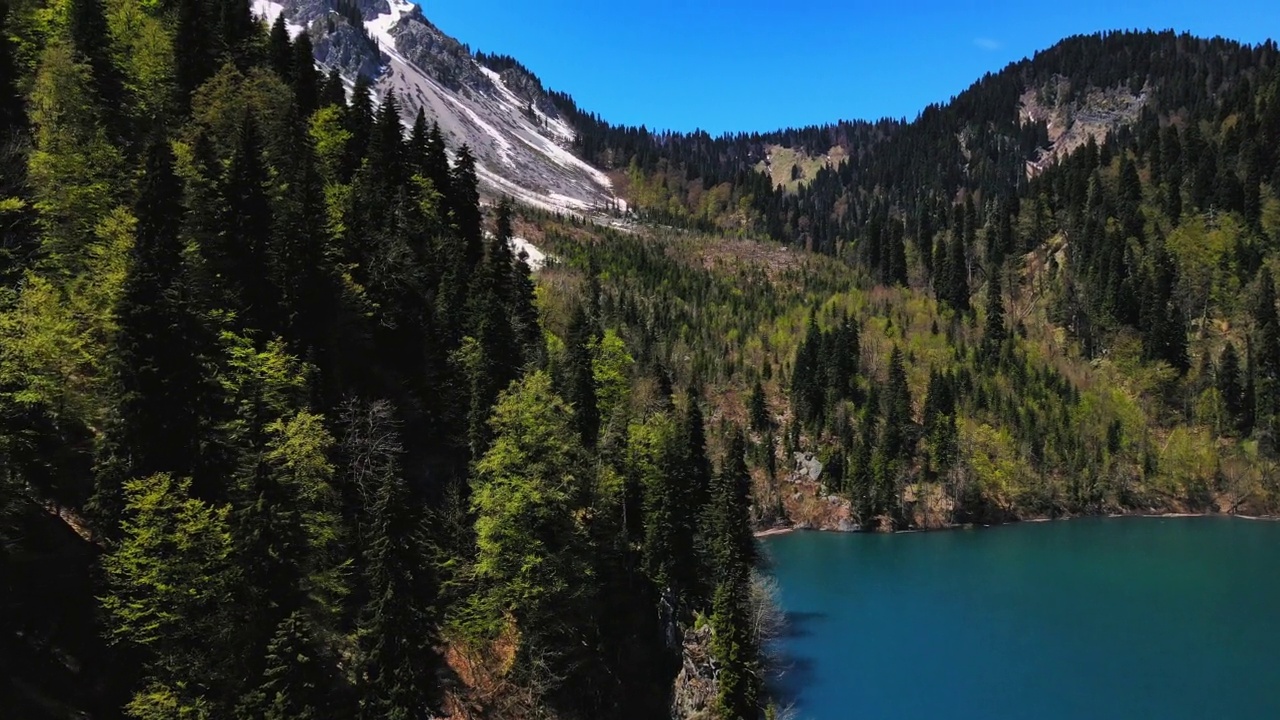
{"x":281,"y":430}
{"x":1056,"y":296}
{"x":288,"y":431}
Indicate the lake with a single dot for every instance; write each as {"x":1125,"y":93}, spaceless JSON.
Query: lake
{"x":1129,"y":618}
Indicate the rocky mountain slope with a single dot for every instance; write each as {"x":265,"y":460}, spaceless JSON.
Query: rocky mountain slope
{"x":519,"y":137}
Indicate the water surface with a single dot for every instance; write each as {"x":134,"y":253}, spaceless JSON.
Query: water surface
{"x":1134,"y":618}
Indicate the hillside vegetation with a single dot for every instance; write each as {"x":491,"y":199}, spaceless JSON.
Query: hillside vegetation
{"x":283,"y":434}
{"x":286,"y":430}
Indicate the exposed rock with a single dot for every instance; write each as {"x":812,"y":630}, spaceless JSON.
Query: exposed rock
{"x":694,"y":692}
{"x":808,"y":466}
{"x":519,"y":137}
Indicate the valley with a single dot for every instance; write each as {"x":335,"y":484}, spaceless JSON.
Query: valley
{"x":346,"y":371}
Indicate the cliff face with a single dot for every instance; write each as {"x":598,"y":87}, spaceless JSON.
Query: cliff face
{"x":519,"y":137}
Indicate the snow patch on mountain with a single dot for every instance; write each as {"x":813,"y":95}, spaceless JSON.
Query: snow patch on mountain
{"x":269,"y":11}
{"x":533,"y":257}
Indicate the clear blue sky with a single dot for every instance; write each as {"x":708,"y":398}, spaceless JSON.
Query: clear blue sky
{"x":731,"y":65}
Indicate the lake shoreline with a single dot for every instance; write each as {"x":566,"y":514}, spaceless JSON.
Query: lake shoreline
{"x":784,"y":530}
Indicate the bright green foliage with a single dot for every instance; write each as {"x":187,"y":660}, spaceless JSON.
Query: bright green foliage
{"x":611,"y":370}
{"x":298,"y":460}
{"x":73,"y":170}
{"x":172,"y":586}
{"x":144,"y":52}
{"x":528,"y":490}
{"x":156,"y":369}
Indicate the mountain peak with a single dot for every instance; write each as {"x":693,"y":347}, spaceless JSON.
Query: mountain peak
{"x":521,"y":140}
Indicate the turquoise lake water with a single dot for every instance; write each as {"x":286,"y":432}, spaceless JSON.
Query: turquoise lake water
{"x":1130,"y":618}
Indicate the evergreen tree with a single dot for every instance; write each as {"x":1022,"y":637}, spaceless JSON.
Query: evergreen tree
{"x":464,"y":203}
{"x":757,"y":410}
{"x":897,"y":441}
{"x":1266,"y":360}
{"x":299,"y":682}
{"x":579,"y":381}
{"x":957,"y":279}
{"x":728,"y":525}
{"x":396,"y":662}
{"x":528,"y":490}
{"x":156,"y":365}
{"x":280,"y":49}
{"x":306,"y":79}
{"x":1229,"y":385}
{"x":727,"y":521}
{"x":940,"y":424}
{"x":996,"y":332}
{"x":359,"y":122}
{"x":332,"y":92}
{"x":13,"y":116}
{"x":242,"y":259}
{"x":87,"y":27}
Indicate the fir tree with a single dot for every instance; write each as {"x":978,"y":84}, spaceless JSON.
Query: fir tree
{"x":1229,"y":386}
{"x":464,"y":203}
{"x":242,"y":259}
{"x":396,"y":663}
{"x":579,"y":381}
{"x":156,"y":364}
{"x":306,"y":79}
{"x":757,"y":410}
{"x":996,"y":332}
{"x":280,"y":49}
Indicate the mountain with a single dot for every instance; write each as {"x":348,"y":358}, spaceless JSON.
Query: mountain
{"x":288,"y":430}
{"x":521,"y":140}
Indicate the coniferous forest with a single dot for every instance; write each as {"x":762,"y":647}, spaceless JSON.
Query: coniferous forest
{"x":288,"y":430}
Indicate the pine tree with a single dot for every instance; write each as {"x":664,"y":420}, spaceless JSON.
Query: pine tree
{"x":436,"y":167}
{"x":1266,"y":360}
{"x":579,"y":381}
{"x":87,"y":27}
{"x":242,"y":259}
{"x":194,"y":51}
{"x":396,"y":664}
{"x":727,"y":520}
{"x":332,"y":92}
{"x":299,"y":682}
{"x":757,"y":410}
{"x":359,"y":122}
{"x":464,"y":203}
{"x":957,"y":279}
{"x":897,"y":441}
{"x":156,"y":365}
{"x":306,"y":79}
{"x":280,"y":49}
{"x":13,"y":115}
{"x":728,"y":527}
{"x":416,"y":146}
{"x":734,"y":648}
{"x":996,"y":332}
{"x":940,"y":424}
{"x":1229,"y":386}
{"x":386,"y":148}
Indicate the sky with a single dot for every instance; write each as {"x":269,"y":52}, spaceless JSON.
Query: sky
{"x":748,"y":65}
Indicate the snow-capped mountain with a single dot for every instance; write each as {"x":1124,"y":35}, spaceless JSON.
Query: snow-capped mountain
{"x":520,"y":140}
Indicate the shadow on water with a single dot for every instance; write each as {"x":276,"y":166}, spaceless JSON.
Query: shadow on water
{"x":791,"y":673}
{"x":801,"y":624}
